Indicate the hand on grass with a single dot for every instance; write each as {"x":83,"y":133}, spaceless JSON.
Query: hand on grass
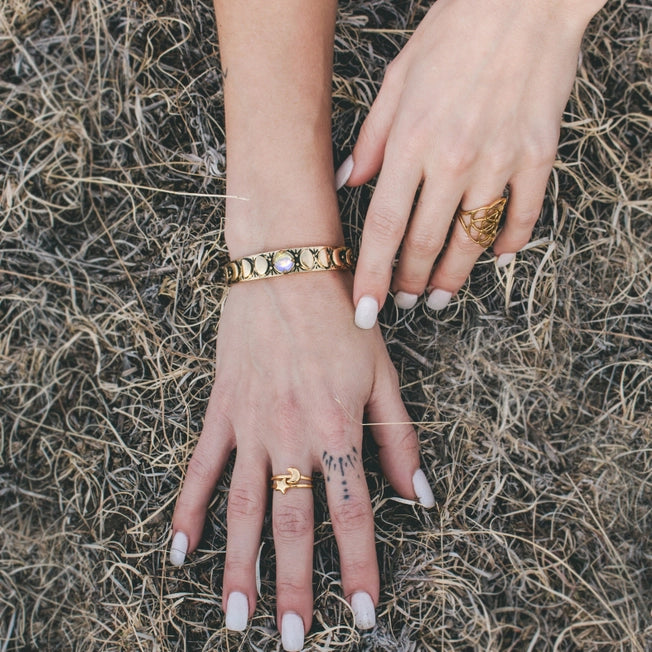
{"x":293,"y":379}
{"x":472,"y":103}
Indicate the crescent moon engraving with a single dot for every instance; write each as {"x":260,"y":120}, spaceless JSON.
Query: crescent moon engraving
{"x":295,"y":475}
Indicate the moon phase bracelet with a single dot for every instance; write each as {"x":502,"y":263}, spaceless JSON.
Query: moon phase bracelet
{"x":318,"y":258}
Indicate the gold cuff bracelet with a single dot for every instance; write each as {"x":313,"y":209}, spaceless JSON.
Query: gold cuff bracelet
{"x":288,"y":261}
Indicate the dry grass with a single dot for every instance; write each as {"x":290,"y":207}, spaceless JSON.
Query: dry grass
{"x":533,"y":392}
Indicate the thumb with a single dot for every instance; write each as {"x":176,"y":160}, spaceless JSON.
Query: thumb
{"x":367,"y":157}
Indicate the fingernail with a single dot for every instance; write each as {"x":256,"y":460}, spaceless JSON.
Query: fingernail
{"x":422,"y":489}
{"x":364,"y":610}
{"x":504,"y":259}
{"x":343,"y":172}
{"x":366,"y":312}
{"x":237,"y":612}
{"x":178,"y":549}
{"x":292,"y":632}
{"x":405,"y":300}
{"x":438,"y":299}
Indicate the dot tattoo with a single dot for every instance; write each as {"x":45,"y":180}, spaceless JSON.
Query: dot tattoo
{"x":342,"y":466}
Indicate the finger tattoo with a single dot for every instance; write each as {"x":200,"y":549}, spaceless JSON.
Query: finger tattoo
{"x":339,"y":468}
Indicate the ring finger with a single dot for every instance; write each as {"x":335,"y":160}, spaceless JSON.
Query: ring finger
{"x":352,"y":517}
{"x":465,"y":244}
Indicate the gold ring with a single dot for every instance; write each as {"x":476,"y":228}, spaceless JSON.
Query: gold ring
{"x":291,"y":480}
{"x":481,"y":224}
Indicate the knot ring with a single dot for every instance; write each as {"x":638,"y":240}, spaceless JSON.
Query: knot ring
{"x":481,"y":224}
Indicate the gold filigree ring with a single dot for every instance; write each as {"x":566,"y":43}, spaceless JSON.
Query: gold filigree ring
{"x":291,"y":480}
{"x":481,"y":224}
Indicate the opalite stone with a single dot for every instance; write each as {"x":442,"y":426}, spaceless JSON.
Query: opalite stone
{"x":283,"y":262}
{"x":323,"y":258}
{"x":307,"y":258}
{"x":260,"y":265}
{"x":247,"y":268}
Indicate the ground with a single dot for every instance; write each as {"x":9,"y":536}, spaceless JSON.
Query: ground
{"x":531,"y":392}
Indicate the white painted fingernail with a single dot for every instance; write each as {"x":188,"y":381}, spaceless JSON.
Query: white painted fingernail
{"x":343,"y":172}
{"x":366,"y":312}
{"x":405,"y":300}
{"x":363,"y":609}
{"x":178,"y":549}
{"x":438,"y":299}
{"x":237,"y":612}
{"x":504,"y":259}
{"x":422,"y":489}
{"x":292,"y":632}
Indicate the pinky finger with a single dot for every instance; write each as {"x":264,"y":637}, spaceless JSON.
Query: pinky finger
{"x":398,"y":446}
{"x":527,"y":190}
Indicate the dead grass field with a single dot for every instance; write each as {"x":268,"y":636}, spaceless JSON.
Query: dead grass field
{"x":532,"y":392}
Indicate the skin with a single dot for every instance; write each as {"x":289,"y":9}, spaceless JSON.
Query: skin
{"x":294,"y":376}
{"x":472,"y":104}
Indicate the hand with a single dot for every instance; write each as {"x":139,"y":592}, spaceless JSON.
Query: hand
{"x":471,"y":104}
{"x":293,"y":377}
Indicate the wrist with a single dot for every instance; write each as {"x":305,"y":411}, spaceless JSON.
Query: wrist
{"x":288,"y":215}
{"x":577,"y":12}
{"x":280,"y":189}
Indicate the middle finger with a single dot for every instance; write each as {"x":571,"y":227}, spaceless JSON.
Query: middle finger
{"x":293,"y":526}
{"x":425,"y":238}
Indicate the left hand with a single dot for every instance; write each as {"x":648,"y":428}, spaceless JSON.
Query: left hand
{"x":294,"y":377}
{"x":471,"y":104}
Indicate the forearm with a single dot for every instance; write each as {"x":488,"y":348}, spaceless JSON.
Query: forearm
{"x":277,"y":65}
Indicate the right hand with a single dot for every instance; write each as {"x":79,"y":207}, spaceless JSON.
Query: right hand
{"x":471,"y":104}
{"x":293,"y":379}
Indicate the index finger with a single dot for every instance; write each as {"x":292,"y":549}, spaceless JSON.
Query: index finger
{"x":383,"y":231}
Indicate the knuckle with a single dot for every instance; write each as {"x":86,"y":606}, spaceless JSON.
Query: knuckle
{"x":369,"y":132}
{"x":406,"y":439}
{"x":386,"y":224}
{"x":540,"y":149}
{"x":349,"y":515}
{"x":423,"y":243}
{"x":241,"y":505}
{"x":394,"y":383}
{"x":358,"y":568}
{"x":288,"y":409}
{"x":336,"y":439}
{"x":292,"y":522}
{"x":527,"y":219}
{"x":393,"y":76}
{"x":289,"y":587}
{"x":238,"y":564}
{"x":337,"y":436}
{"x":410,"y":282}
{"x":390,"y":386}
{"x":458,"y":157}
{"x":500,"y":158}
{"x":200,"y":470}
{"x":412,"y":142}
